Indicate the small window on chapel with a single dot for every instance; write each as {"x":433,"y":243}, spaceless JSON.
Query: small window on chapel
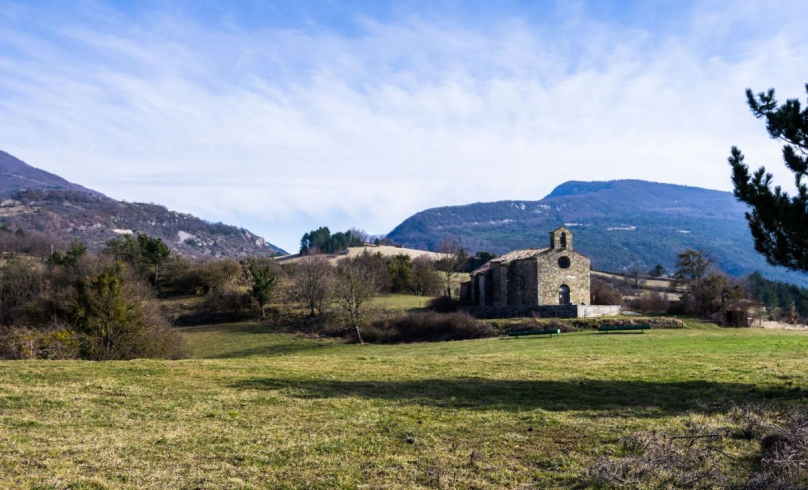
{"x":564,"y":262}
{"x":563,"y":240}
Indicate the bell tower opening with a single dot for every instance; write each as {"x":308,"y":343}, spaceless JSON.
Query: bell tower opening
{"x":561,"y":239}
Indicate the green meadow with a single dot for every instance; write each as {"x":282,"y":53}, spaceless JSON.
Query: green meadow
{"x":256,"y":408}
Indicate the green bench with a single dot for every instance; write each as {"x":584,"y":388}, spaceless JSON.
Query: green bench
{"x":520,"y":333}
{"x":623,"y":328}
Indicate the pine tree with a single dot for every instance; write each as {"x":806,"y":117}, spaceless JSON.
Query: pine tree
{"x":264,"y":281}
{"x":778,"y":221}
{"x":154,"y":252}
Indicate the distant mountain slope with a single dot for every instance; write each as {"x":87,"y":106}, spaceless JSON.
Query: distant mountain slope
{"x":16,"y":175}
{"x":32,"y":199}
{"x":618,"y":224}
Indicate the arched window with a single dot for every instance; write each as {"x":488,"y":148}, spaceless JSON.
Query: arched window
{"x":563,"y":240}
{"x":564,"y":295}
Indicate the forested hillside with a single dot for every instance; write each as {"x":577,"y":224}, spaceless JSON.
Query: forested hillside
{"x":619,"y":224}
{"x":35,"y":200}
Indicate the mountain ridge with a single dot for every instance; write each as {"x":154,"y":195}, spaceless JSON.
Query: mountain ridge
{"x":34,"y":200}
{"x":17,"y":175}
{"x":619,"y":224}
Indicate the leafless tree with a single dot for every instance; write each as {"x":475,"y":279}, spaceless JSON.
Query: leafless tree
{"x":360,"y":234}
{"x":356,"y":281}
{"x":603,"y":292}
{"x":312,"y":280}
{"x":632,"y":277}
{"x":449,"y":264}
{"x":21,"y":280}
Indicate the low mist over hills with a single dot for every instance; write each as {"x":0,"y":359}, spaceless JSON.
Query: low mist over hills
{"x":35,"y":200}
{"x":619,"y":224}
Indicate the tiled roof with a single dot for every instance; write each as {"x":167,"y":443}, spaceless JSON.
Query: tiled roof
{"x":527,"y":253}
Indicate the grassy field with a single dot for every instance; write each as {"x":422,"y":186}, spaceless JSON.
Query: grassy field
{"x":401,"y":303}
{"x":259,"y":409}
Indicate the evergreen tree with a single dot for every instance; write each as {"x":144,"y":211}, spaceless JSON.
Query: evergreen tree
{"x":401,"y":273}
{"x":692,"y":266}
{"x":76,"y":251}
{"x":264,"y":281}
{"x":146,"y":254}
{"x":321,"y":240}
{"x":154,"y":252}
{"x":778,"y":221}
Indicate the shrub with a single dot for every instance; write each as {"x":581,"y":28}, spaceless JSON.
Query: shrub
{"x":650,"y":302}
{"x":57,"y":342}
{"x":696,"y":457}
{"x":444,"y":304}
{"x":603,"y":292}
{"x":428,"y":327}
{"x":119,"y":318}
{"x":23,"y":280}
{"x":229,"y":305}
{"x":546,"y":325}
{"x":186,"y":277}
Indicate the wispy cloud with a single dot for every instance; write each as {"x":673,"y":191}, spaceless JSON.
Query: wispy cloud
{"x":281,"y":129}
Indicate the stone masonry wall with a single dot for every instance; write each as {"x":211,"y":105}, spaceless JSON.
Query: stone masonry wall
{"x":552,"y":276}
{"x":523,"y":283}
{"x":500,"y":282}
{"x":544,"y":311}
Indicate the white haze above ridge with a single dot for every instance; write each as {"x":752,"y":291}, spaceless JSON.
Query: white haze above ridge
{"x":282,"y":130}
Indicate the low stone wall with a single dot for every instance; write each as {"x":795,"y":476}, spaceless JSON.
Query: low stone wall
{"x":656,"y":322}
{"x":548,"y":311}
{"x":582,"y":324}
{"x":594,"y":311}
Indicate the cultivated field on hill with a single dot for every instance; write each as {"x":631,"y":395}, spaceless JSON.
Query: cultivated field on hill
{"x":255,"y":408}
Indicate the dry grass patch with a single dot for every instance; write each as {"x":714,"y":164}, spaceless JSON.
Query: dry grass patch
{"x":259,"y":409}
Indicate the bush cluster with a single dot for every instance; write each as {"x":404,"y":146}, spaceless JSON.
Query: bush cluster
{"x":79,"y":305}
{"x":427,"y":327}
{"x":444,"y":304}
{"x":57,"y":342}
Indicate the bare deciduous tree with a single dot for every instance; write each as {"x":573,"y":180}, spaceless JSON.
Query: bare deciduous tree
{"x":449,"y":264}
{"x":356,"y":281}
{"x":312,"y":280}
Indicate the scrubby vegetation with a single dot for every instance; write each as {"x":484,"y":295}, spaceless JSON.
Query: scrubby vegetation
{"x":77,"y":304}
{"x":699,"y":455}
{"x":427,"y":327}
{"x":65,"y":215}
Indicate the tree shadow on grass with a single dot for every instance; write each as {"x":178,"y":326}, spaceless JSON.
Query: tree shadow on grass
{"x":611,"y":397}
{"x":230,"y":327}
{"x":273,"y":350}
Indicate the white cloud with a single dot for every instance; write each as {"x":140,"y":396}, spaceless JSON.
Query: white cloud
{"x":281,"y":131}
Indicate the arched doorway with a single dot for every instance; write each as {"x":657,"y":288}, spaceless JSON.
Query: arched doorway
{"x":564,"y":295}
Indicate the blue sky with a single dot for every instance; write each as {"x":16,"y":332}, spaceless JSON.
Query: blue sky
{"x":284,"y":116}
